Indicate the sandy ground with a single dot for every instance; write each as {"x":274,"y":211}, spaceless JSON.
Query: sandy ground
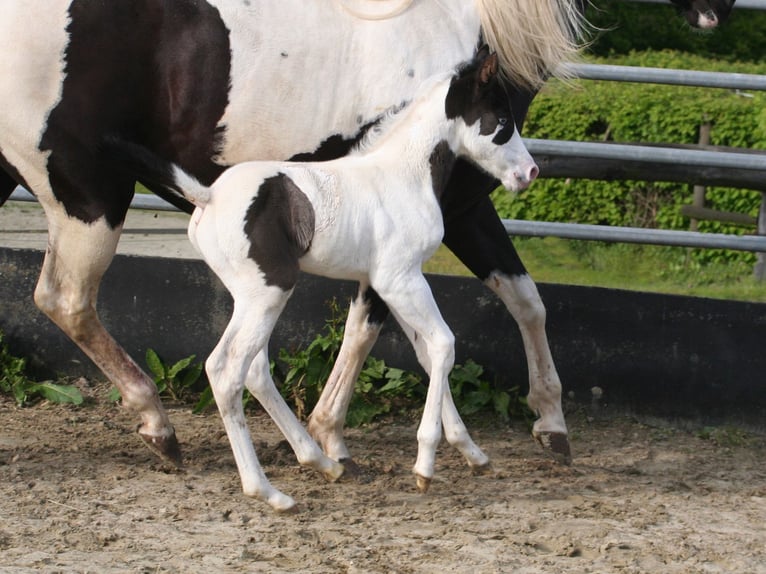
{"x":79,"y":493}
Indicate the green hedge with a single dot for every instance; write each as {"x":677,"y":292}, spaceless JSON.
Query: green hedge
{"x":623,"y":112}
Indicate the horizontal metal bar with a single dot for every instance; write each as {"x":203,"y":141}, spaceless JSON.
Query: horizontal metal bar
{"x":140,"y":201}
{"x":748,"y":4}
{"x":653,"y":154}
{"x":634,"y":235}
{"x":549,"y":229}
{"x":640,"y":74}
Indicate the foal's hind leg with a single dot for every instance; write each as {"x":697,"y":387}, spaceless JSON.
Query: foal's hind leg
{"x":239,"y":358}
{"x":479,"y":239}
{"x":77,"y":256}
{"x":363,"y":324}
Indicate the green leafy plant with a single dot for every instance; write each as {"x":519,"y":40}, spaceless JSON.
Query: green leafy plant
{"x":381,"y":389}
{"x":176,"y":381}
{"x":474,"y":394}
{"x":14,"y":381}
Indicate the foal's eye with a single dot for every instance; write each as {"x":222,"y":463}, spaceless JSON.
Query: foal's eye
{"x":502,"y":121}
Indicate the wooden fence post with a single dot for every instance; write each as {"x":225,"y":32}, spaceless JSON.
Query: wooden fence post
{"x":698,"y":200}
{"x":760,"y":265}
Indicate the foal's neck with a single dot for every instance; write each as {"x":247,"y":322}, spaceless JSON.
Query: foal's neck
{"x":410,"y":137}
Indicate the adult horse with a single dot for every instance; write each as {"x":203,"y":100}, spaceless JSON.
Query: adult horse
{"x":209,"y":83}
{"x":704,"y":14}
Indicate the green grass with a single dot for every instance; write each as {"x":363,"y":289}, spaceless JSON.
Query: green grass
{"x":622,"y":266}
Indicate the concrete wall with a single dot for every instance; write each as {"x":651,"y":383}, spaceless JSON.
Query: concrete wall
{"x":656,"y":354}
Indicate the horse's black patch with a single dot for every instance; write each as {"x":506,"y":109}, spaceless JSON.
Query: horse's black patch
{"x":336,"y":145}
{"x":377,"y":308}
{"x":9,"y":179}
{"x":442,"y":161}
{"x":156,"y":73}
{"x":280,"y":226}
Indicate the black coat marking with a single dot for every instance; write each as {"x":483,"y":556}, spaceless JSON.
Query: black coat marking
{"x":377,"y":310}
{"x":468,"y":99}
{"x":8,"y":178}
{"x":442,"y":161}
{"x":280,"y":227}
{"x":156,"y":73}
{"x":336,"y":145}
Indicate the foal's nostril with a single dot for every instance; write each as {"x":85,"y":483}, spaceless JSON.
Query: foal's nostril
{"x":533,"y":172}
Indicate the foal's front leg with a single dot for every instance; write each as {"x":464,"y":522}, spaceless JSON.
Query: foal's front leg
{"x":410,"y":299}
{"x":455,"y":430}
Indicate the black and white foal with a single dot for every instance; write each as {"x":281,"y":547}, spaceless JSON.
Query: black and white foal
{"x":374,"y":217}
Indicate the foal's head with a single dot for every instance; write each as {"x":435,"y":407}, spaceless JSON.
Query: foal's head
{"x":486,"y":129}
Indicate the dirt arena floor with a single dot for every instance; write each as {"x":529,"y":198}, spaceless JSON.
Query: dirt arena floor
{"x":79,"y":493}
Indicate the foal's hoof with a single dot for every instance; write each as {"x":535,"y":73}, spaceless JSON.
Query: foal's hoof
{"x":556,"y":444}
{"x":422,"y":483}
{"x":166,"y":447}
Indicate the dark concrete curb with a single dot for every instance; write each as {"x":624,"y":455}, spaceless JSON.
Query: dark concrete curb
{"x":656,"y":354}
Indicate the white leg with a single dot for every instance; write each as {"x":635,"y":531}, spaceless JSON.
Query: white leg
{"x":227,"y":369}
{"x":234,"y":363}
{"x":411,"y":301}
{"x":329,"y":414}
{"x":76,"y":258}
{"x":455,"y":430}
{"x":308,"y":453}
{"x":520,"y":295}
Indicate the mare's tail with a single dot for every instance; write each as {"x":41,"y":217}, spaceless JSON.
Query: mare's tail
{"x":163,"y":177}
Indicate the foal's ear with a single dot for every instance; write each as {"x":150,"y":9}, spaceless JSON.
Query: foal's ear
{"x":488,"y":69}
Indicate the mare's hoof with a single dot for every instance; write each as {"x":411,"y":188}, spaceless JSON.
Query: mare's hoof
{"x":556,"y":444}
{"x":422,"y":483}
{"x":481,"y":469}
{"x":166,"y":447}
{"x":335,"y":471}
{"x":353,"y":470}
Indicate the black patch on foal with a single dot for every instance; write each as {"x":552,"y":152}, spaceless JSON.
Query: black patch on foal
{"x":280,"y":226}
{"x":488,"y":104}
{"x":442,"y":161}
{"x":377,"y":308}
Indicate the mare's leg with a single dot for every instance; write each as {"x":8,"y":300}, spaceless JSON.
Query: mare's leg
{"x":479,"y":239}
{"x":7,"y":184}
{"x":76,"y":258}
{"x":363,"y":324}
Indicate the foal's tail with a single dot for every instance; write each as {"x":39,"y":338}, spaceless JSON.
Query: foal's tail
{"x":155,"y":172}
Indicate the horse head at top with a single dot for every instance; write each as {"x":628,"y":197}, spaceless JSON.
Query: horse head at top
{"x":704,"y":14}
{"x":478,"y":97}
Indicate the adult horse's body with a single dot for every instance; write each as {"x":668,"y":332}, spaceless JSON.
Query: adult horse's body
{"x":210,"y":83}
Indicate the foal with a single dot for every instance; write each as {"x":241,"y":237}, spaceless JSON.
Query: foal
{"x":374,"y":217}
